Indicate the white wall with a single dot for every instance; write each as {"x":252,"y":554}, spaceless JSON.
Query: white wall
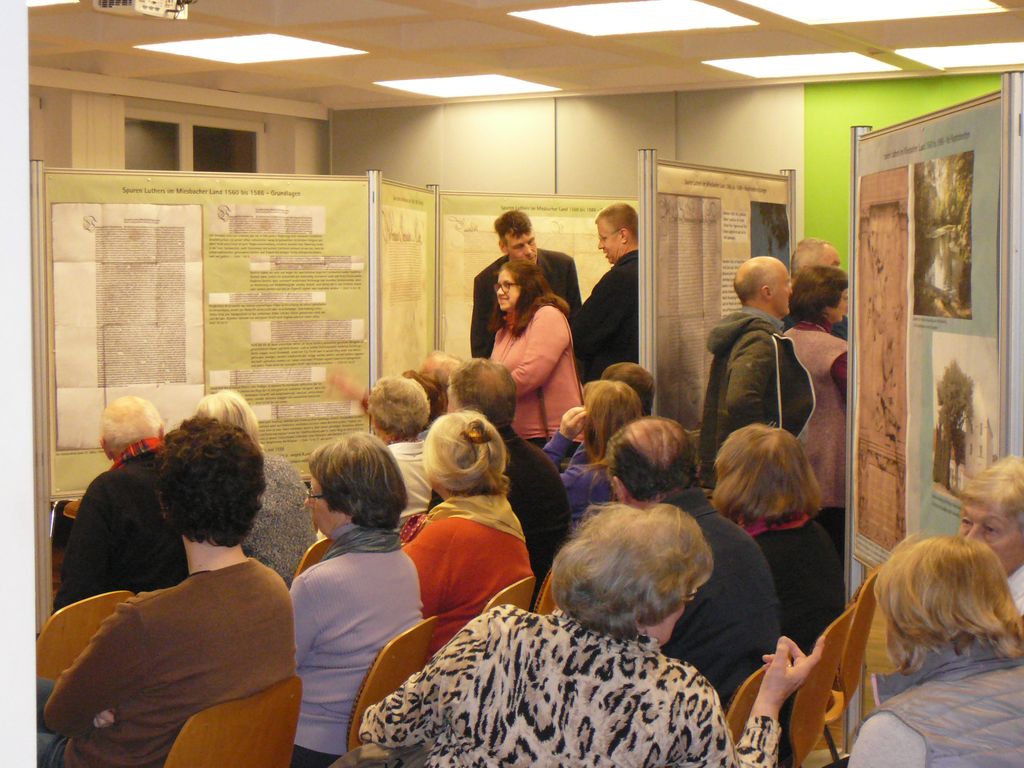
{"x":572,"y":145}
{"x":17,"y":598}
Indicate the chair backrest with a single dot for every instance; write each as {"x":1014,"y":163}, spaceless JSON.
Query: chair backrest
{"x":742,"y":702}
{"x":255,"y":732}
{"x":519,"y":594}
{"x":403,"y":656}
{"x":812,"y":699}
{"x":69,"y":630}
{"x":850,"y":666}
{"x":545,"y":598}
{"x":314,"y":554}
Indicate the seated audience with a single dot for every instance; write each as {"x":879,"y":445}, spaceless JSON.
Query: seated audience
{"x":588,"y":685}
{"x":993,"y":513}
{"x":437,"y":397}
{"x":607,"y":406}
{"x":765,"y":484}
{"x":734,"y":618}
{"x":119,"y":539}
{"x":472,"y":545}
{"x":361,"y":594}
{"x":535,"y":492}
{"x":819,"y":299}
{"x":224,"y":633}
{"x":955,"y":636}
{"x":399,"y":411}
{"x":638,"y":378}
{"x":281,"y":532}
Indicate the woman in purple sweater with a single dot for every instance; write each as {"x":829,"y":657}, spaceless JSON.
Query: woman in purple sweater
{"x":608,"y":405}
{"x":362,"y":593}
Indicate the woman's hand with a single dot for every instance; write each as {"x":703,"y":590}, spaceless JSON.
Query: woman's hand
{"x":104,"y":719}
{"x":573,"y":422}
{"x":787,"y":669}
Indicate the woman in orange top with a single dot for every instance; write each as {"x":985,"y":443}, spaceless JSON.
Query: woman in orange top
{"x":472,"y":545}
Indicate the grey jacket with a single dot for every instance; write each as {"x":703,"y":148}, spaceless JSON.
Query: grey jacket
{"x":756,"y":378}
{"x":969,"y":709}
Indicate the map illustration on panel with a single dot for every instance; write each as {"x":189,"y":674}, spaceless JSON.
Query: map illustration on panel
{"x":943,"y":190}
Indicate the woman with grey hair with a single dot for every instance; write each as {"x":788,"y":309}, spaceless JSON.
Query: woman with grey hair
{"x":361,"y":594}
{"x":588,"y":684}
{"x":399,"y":411}
{"x":472,"y":545}
{"x":993,"y":513}
{"x":281,"y":532}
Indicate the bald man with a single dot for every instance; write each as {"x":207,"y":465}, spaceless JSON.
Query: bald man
{"x":756,"y":376}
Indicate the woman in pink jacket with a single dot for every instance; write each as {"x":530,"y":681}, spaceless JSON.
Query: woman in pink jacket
{"x":534,"y":342}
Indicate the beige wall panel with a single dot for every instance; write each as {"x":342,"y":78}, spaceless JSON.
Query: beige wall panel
{"x":598,"y":138}
{"x":750,"y":129}
{"x":97,"y":131}
{"x":405,"y":144}
{"x":503,"y":146}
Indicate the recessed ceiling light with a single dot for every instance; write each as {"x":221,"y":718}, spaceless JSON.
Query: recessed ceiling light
{"x":983,"y":55}
{"x":818,"y":12}
{"x":635,"y":17}
{"x":250,"y":49}
{"x":469,"y":85}
{"x":803,"y":65}
{"x":40,"y":3}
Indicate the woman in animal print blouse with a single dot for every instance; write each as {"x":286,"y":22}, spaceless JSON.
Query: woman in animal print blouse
{"x":588,"y":685}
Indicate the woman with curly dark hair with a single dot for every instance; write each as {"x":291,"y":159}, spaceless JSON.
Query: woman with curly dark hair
{"x":532,"y":339}
{"x":223,"y":633}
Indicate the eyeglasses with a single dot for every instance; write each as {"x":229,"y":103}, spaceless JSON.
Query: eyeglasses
{"x":504,"y":287}
{"x":310,"y":496}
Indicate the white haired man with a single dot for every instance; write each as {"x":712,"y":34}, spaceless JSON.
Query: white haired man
{"x":119,"y":539}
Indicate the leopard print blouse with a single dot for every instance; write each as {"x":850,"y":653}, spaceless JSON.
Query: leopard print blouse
{"x":518,"y":689}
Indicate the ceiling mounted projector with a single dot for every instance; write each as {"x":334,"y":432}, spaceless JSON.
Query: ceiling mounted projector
{"x":162,"y":9}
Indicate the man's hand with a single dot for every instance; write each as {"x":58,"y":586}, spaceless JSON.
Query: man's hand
{"x":104,"y":719}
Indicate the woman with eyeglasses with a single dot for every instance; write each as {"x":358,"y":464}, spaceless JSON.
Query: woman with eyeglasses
{"x":360,"y":595}
{"x":532,"y":339}
{"x":588,"y":685}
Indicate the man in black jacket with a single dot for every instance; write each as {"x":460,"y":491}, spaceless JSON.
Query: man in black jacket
{"x":119,"y":539}
{"x":606,"y":330}
{"x":517,"y":243}
{"x":734,"y":618}
{"x":535,"y":491}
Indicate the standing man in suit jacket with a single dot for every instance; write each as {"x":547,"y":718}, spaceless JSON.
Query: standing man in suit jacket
{"x":607,"y":329}
{"x":517,"y":243}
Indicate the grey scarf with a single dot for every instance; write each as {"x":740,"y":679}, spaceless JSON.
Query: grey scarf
{"x":356,"y":538}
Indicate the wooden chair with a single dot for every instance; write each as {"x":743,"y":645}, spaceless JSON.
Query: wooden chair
{"x":808,"y":717}
{"x":545,"y":599}
{"x":852,"y":661}
{"x":403,"y":656}
{"x":519,"y":594}
{"x":742,"y":702}
{"x":314,"y":554}
{"x":255,"y":732}
{"x":71,"y":508}
{"x":69,"y":630}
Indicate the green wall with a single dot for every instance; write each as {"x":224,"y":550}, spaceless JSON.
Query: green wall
{"x":829,"y":111}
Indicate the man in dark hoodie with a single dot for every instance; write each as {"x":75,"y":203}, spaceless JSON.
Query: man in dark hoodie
{"x":755,"y":376}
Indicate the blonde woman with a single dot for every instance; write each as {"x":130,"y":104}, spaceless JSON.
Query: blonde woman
{"x":607,"y":406}
{"x":955,"y":636}
{"x":765,"y":484}
{"x":472,"y":545}
{"x":281,"y":532}
{"x":993,"y":513}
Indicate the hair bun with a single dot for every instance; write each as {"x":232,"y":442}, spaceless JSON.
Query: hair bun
{"x":475,"y":432}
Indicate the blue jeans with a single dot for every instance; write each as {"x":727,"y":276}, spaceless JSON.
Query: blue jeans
{"x":49,"y":745}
